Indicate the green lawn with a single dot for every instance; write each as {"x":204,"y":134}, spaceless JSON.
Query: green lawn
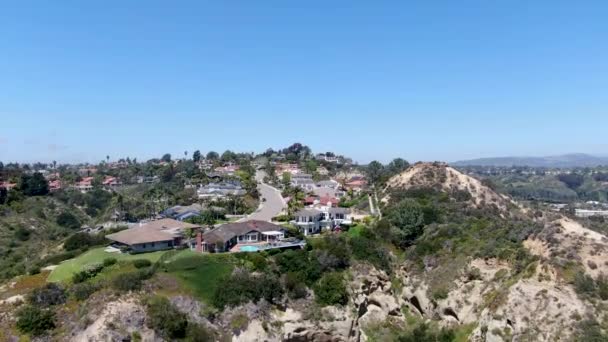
{"x":64,"y":271}
{"x":201,"y":273}
{"x":355,"y":231}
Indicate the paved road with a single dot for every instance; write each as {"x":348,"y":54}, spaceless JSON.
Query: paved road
{"x":273,"y":205}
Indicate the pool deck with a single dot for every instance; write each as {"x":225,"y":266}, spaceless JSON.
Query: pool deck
{"x":264,"y":246}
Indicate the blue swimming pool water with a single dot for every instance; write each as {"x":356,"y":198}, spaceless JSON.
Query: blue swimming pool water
{"x":249,"y":248}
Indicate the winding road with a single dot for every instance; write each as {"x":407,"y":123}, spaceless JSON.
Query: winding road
{"x":273,"y":205}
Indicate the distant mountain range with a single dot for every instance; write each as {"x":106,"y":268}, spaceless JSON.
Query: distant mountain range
{"x":561,"y":161}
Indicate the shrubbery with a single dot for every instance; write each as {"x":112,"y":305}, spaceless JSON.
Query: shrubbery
{"x":164,"y":318}
{"x":83,"y":291}
{"x":68,"y":220}
{"x":49,"y":294}
{"x":35,"y":321}
{"x":241,"y":287}
{"x":130,"y":281}
{"x":141,"y":263}
{"x":83,"y":241}
{"x":331,"y":290}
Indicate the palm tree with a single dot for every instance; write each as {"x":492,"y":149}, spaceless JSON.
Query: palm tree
{"x":54,"y":164}
{"x":108,"y":159}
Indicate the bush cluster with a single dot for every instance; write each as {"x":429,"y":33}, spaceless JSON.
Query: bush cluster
{"x":242,"y":286}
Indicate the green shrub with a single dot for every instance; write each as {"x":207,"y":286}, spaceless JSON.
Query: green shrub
{"x":198,"y":333}
{"x":83,"y":291}
{"x":130,"y":281}
{"x":49,"y":294}
{"x":83,"y":241}
{"x":331,"y":290}
{"x":68,"y":220}
{"x":80,"y":277}
{"x":35,"y":321}
{"x":422,"y":333}
{"x":164,"y":318}
{"x":141,"y":263}
{"x":294,"y":284}
{"x":584,"y":284}
{"x":241,"y":287}
{"x":109,"y":262}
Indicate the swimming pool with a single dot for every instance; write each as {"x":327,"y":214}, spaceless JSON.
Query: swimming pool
{"x":249,"y":248}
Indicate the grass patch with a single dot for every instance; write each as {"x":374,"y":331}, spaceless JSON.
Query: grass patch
{"x":355,"y":231}
{"x":201,"y":274}
{"x":64,"y":271}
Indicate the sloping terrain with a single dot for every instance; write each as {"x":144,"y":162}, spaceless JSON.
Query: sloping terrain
{"x":442,"y":177}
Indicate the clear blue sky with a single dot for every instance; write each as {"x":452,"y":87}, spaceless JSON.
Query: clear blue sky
{"x":425,"y":80}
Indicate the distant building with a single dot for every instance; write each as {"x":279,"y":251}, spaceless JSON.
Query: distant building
{"x":226,"y":236}
{"x":303,"y":181}
{"x":215,"y":191}
{"x":84,"y":185}
{"x":312,"y":220}
{"x":590,"y":213}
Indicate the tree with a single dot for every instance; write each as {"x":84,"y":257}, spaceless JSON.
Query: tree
{"x":286,"y":179}
{"x":54,"y":164}
{"x":166,"y":158}
{"x":185,"y":154}
{"x":228,"y":156}
{"x":108,"y":159}
{"x":398,"y":165}
{"x":408,"y":217}
{"x":34,"y":185}
{"x":68,"y":220}
{"x":212,"y":155}
{"x":196,"y":156}
{"x":375,"y":170}
{"x":310,"y":166}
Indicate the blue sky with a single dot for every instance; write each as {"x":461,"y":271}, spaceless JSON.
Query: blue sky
{"x":425,"y":80}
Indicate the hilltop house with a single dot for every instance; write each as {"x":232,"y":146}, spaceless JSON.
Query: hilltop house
{"x":110,"y":182}
{"x":152,"y":236}
{"x":226,"y":236}
{"x":313,"y":221}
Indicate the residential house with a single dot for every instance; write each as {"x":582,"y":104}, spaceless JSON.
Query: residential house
{"x":328,"y":184}
{"x":110,"y":182}
{"x":152,"y":236}
{"x":328,"y":158}
{"x":290,"y":168}
{"x":215,"y":191}
{"x":227,"y":170}
{"x":147,"y":179}
{"x":314,"y":220}
{"x":309,"y":221}
{"x":356,"y":184}
{"x":85,"y":184}
{"x":55,"y":185}
{"x":303,"y":181}
{"x":229,"y":235}
{"x":182,"y":213}
{"x":8,"y":185}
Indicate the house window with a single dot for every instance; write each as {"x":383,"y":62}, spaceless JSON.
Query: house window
{"x":143,"y":246}
{"x":152,"y":245}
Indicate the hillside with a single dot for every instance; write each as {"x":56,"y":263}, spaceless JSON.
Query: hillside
{"x":452,"y":260}
{"x":440,"y":176}
{"x":560,"y":161}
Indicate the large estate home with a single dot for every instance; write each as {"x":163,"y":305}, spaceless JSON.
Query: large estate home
{"x":226,"y":236}
{"x":313,"y":221}
{"x":152,"y":236}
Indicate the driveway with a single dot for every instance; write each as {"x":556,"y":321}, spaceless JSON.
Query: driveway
{"x":273,"y":205}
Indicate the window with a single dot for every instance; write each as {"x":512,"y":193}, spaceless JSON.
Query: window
{"x":143,"y":246}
